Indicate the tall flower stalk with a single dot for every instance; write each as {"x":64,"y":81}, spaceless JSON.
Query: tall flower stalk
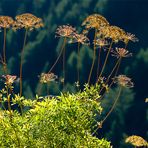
{"x":65,"y":31}
{"x":101,"y":43}
{"x":4,"y":52}
{"x":122,"y":81}
{"x":94,"y":57}
{"x":80,"y":39}
{"x":97,"y":22}
{"x":120,"y":53}
{"x":114,"y":33}
{"x":61,"y":52}
{"x":28,"y":22}
{"x":21,"y":61}
{"x":6,"y":22}
{"x":78,"y":67}
{"x":106,"y":58}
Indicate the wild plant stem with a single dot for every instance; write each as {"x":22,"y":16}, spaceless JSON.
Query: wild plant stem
{"x":112,"y":80}
{"x":112,"y":108}
{"x":115,"y":102}
{"x":63,"y":46}
{"x":106,"y":60}
{"x":47,"y":88}
{"x":18,"y":140}
{"x":98,"y":67}
{"x":118,"y":61}
{"x":8,"y":99}
{"x":21,"y":64}
{"x":64,"y":65}
{"x":78,"y":62}
{"x":4,"y":52}
{"x":94,"y":57}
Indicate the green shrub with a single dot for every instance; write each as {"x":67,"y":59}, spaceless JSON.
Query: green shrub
{"x":64,"y":121}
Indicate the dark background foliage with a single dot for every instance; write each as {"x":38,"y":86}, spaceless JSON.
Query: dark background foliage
{"x":130,"y":115}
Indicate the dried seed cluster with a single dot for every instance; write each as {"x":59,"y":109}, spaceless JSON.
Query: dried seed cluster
{"x":65,"y":31}
{"x":27,"y":21}
{"x":47,"y":77}
{"x":121,"y":52}
{"x":6,"y":22}
{"x":9,"y":79}
{"x":95,"y":21}
{"x":124,"y":81}
{"x":136,"y":141}
{"x":79,"y":38}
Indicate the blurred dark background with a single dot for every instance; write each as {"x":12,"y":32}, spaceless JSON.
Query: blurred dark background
{"x":131,"y":114}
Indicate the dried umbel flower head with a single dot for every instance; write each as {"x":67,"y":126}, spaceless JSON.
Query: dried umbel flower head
{"x":95,"y":21}
{"x":123,"y":81}
{"x":129,"y":37}
{"x":47,"y":77}
{"x":9,"y":79}
{"x":79,"y":38}
{"x":113,"y":32}
{"x":6,"y":22}
{"x":27,"y":21}
{"x":136,"y":141}
{"x":65,"y":31}
{"x":101,"y":43}
{"x":146,"y":100}
{"x":121,"y":52}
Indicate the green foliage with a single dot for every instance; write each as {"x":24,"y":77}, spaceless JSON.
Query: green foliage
{"x":63,"y":121}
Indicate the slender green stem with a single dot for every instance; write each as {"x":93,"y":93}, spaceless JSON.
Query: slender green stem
{"x":98,"y":67}
{"x":78,"y":67}
{"x":106,"y":60}
{"x":8,"y":100}
{"x":110,"y":111}
{"x":17,"y":137}
{"x":94,"y":57}
{"x":21,"y":62}
{"x":63,"y":46}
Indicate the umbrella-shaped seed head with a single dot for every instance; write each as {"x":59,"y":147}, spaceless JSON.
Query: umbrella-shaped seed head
{"x":6,"y":22}
{"x":27,"y":21}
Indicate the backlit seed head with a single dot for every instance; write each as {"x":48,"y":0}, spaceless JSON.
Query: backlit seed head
{"x":113,"y":32}
{"x":79,"y":38}
{"x":6,"y":22}
{"x":136,"y":141}
{"x":101,"y":43}
{"x":27,"y":21}
{"x":47,"y":77}
{"x":121,"y":52}
{"x":129,"y":37}
{"x":9,"y":79}
{"x":95,"y":21}
{"x":65,"y":31}
{"x":123,"y":81}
